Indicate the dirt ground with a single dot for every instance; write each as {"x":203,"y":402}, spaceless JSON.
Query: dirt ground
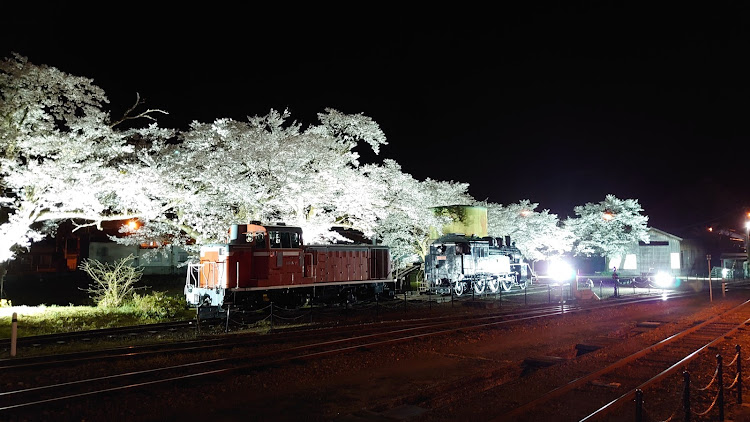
{"x":436,"y":378}
{"x":456,"y":376}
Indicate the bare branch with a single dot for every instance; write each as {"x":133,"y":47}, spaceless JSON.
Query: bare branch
{"x":145,"y":115}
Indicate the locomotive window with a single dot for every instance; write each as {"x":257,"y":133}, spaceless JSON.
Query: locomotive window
{"x":296,"y":239}
{"x":275,"y":239}
{"x":463,"y":249}
{"x":286,"y":240}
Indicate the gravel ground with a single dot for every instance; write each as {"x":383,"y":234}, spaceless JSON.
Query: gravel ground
{"x":446,"y":378}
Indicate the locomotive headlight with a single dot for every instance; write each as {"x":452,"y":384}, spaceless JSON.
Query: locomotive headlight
{"x":662,"y":279}
{"x":560,"y":270}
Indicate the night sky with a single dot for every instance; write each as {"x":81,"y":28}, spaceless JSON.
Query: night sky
{"x":558,"y":105}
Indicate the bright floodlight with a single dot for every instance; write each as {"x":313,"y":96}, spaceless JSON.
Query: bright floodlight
{"x":662,"y":279}
{"x":560,"y":270}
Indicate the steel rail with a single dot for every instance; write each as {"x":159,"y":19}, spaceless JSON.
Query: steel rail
{"x":580,"y":381}
{"x":209,"y":344}
{"x":131,"y":352}
{"x":630,"y":395}
{"x":304,"y":352}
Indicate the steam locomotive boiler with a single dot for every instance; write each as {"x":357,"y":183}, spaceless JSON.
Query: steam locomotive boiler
{"x":261,"y":262}
{"x":459,"y":263}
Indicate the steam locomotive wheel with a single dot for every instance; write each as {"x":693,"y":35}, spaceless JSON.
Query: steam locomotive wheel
{"x":522,"y":285}
{"x":507,"y":285}
{"x":459,"y":287}
{"x":493,"y":285}
{"x":479,"y":286}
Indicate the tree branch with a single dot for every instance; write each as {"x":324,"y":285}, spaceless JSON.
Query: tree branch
{"x":146,"y":114}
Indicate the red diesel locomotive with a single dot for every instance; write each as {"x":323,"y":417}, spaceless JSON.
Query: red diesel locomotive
{"x":264,"y":262}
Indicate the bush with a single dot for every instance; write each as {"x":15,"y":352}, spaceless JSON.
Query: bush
{"x":156,"y":305}
{"x":114,"y":283}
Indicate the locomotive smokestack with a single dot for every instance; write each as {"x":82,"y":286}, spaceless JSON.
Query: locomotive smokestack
{"x":507,"y":241}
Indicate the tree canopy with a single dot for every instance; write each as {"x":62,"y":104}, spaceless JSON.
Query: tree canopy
{"x":63,"y":157}
{"x":609,"y":227}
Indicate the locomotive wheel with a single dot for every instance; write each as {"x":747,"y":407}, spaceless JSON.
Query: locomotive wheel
{"x":507,"y":285}
{"x":479,"y":286}
{"x":459,"y":287}
{"x":493,"y":285}
{"x":523,"y":285}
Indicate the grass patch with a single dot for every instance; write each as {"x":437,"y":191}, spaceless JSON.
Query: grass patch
{"x":40,"y":320}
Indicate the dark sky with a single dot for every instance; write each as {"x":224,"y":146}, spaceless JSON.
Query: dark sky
{"x":558,"y":105}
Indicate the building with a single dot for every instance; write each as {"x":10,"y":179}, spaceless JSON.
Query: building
{"x":169,"y":260}
{"x":64,"y":252}
{"x":664,"y":252}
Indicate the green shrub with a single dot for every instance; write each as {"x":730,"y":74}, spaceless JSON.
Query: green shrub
{"x":113,"y":284}
{"x":156,"y":305}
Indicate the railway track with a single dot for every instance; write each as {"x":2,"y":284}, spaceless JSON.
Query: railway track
{"x":281,"y":336}
{"x":599,"y":391}
{"x":252,"y":353}
{"x":88,"y":335}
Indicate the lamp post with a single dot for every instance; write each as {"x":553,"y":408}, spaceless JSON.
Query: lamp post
{"x":747,"y":246}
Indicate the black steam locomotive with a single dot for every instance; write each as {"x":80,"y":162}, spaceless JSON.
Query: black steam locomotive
{"x":459,"y":263}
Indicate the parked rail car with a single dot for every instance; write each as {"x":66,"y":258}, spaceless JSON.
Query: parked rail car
{"x":271,"y":261}
{"x":457,"y":263}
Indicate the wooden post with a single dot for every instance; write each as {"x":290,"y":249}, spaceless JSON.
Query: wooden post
{"x":13,"y":335}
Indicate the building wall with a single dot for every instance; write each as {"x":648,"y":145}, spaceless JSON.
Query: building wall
{"x":662,"y":253}
{"x":158,"y":263}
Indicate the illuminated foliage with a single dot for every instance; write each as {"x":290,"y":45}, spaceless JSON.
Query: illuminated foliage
{"x":61,"y":156}
{"x":266,"y":169}
{"x":539,"y":235}
{"x":609,"y":227}
{"x":404,"y":205}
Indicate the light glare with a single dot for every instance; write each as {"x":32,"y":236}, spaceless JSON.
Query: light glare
{"x":662,"y":279}
{"x":560,"y":270}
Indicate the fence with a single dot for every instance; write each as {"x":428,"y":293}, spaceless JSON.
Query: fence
{"x":716,"y":394}
{"x":274,"y":316}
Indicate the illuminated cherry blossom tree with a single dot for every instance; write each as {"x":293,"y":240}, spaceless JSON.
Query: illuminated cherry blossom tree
{"x":61,"y":156}
{"x":539,"y":235}
{"x":609,"y":227}
{"x":405,"y":209}
{"x":266,"y":169}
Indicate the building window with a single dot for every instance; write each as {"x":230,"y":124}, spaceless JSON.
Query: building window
{"x":674,"y":258}
{"x":630,"y":262}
